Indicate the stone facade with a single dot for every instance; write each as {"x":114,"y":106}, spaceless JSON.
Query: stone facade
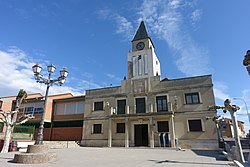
{"x":147,"y":110}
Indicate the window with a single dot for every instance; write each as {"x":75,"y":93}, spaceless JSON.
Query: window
{"x":162,"y":126}
{"x":38,"y":110}
{"x":135,"y":66}
{"x":146,"y":64}
{"x":121,"y":106}
{"x":161,"y":102}
{"x":195,"y":125}
{"x":60,"y":108}
{"x":140,"y":105}
{"x":29,"y":110}
{"x":75,"y":123}
{"x":32,"y":108}
{"x":140,"y":65}
{"x":80,"y":107}
{"x":97,"y":128}
{"x":192,"y":98}
{"x":69,"y":108}
{"x":120,"y":128}
{"x":98,"y":106}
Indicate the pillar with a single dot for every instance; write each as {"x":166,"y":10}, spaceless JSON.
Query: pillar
{"x":152,"y":137}
{"x":172,"y":131}
{"x":126,"y":133}
{"x":110,"y":133}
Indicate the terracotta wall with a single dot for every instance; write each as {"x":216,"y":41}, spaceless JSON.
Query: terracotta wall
{"x":67,"y":134}
{"x":62,"y":134}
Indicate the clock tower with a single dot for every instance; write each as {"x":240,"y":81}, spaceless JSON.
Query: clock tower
{"x":142,"y":60}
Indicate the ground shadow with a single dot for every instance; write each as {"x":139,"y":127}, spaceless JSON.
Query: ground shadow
{"x":217,"y":154}
{"x":184,"y":162}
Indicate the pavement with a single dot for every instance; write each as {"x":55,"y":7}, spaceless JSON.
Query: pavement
{"x":127,"y":157}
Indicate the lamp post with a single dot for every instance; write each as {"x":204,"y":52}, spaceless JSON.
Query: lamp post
{"x":232,"y":109}
{"x":175,"y":140}
{"x":48,"y":82}
{"x":218,"y":120}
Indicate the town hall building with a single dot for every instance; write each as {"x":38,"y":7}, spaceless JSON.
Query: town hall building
{"x":147,"y":110}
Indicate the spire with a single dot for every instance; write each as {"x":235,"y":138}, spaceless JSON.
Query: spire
{"x":141,"y":33}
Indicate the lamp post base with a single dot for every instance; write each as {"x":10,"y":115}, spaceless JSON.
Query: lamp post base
{"x":36,"y":154}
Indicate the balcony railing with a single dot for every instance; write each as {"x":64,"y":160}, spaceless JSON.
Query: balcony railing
{"x":151,"y":108}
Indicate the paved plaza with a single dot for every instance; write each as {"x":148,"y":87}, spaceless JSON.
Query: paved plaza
{"x":128,"y":157}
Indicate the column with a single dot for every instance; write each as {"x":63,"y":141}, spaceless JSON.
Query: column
{"x":151,"y":107}
{"x":110,"y":133}
{"x":126,"y":132}
{"x":127,"y":110}
{"x":172,"y":131}
{"x":152,"y":137}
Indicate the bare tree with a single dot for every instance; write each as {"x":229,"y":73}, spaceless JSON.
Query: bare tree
{"x":10,"y":119}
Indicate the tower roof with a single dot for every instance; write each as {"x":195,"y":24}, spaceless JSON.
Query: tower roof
{"x":141,"y":33}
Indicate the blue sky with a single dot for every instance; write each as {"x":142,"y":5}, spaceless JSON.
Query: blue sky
{"x":92,"y":39}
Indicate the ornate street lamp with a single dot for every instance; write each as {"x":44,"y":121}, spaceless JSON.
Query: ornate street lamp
{"x":232,"y":110}
{"x":48,"y":82}
{"x":246,"y":61}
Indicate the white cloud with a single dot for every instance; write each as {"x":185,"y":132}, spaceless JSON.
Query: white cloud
{"x":244,"y":102}
{"x":85,"y":85}
{"x":220,"y":91}
{"x":246,"y":95}
{"x":87,"y":75}
{"x":124,"y":27}
{"x":16,"y":73}
{"x":196,"y":15}
{"x":167,"y":20}
{"x":104,"y":14}
{"x":112,"y":76}
{"x":174,"y":4}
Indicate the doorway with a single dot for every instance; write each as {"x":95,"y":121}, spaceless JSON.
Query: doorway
{"x":141,"y":135}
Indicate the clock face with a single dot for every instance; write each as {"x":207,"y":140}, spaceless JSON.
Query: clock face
{"x":140,"y":46}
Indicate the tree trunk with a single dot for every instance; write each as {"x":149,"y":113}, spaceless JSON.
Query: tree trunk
{"x":7,"y":139}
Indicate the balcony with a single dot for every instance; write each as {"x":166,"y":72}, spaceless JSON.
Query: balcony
{"x":149,"y":110}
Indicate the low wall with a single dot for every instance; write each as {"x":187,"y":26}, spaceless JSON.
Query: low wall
{"x":61,"y":144}
{"x":94,"y":143}
{"x":198,"y":144}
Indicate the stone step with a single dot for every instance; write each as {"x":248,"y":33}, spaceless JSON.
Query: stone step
{"x":61,"y":144}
